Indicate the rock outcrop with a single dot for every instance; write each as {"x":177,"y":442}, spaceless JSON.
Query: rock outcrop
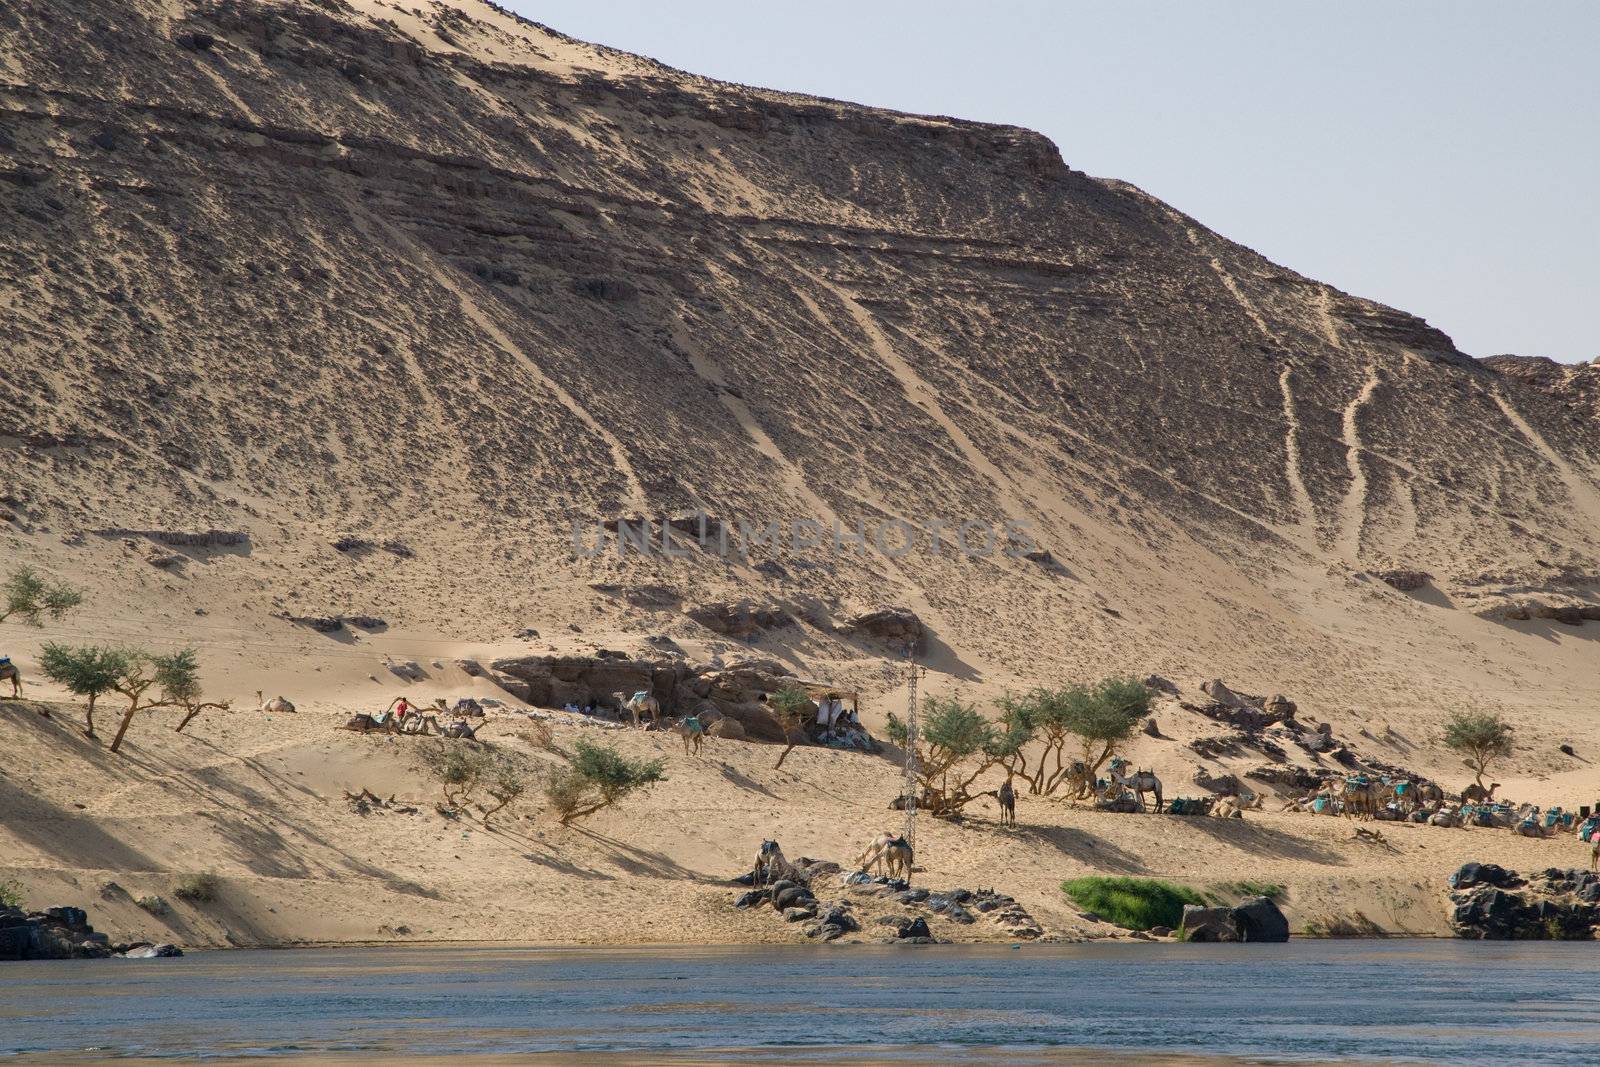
{"x":64,"y":934}
{"x":1491,"y":903}
{"x":1253,"y":919}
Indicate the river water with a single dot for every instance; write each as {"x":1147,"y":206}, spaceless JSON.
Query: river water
{"x":1308,"y":1001}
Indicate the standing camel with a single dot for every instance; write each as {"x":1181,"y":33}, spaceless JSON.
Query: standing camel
{"x":9,"y":670}
{"x":641,"y":701}
{"x":1007,"y":797}
{"x":1594,"y":854}
{"x":693,"y":734}
{"x":771,"y":866}
{"x":1140,"y":782}
{"x":890,"y":852}
{"x":1477,"y":794}
{"x":1360,"y":797}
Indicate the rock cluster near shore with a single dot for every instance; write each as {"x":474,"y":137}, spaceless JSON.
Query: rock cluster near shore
{"x":1253,"y":919}
{"x":1492,"y":903}
{"x":65,"y":934}
{"x":794,"y":899}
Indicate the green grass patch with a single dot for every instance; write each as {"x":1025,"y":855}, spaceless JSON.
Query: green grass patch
{"x":1134,"y":903}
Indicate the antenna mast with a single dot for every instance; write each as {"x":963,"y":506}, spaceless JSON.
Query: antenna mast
{"x":911,"y":752}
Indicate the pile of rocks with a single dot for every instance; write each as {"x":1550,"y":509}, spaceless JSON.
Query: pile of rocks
{"x":956,"y":905}
{"x":64,"y":934}
{"x":1253,"y":919}
{"x":793,"y":899}
{"x":1493,"y":903}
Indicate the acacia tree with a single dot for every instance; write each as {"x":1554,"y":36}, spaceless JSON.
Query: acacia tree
{"x":179,"y":675}
{"x":86,"y":672}
{"x":29,"y":596}
{"x":175,"y":673}
{"x":794,"y":710}
{"x":596,"y":777}
{"x":1482,"y":737}
{"x":955,"y":745}
{"x":1102,"y":717}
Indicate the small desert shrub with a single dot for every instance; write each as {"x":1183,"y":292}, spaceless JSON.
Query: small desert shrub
{"x":539,"y":735}
{"x":198,"y":888}
{"x":465,"y":773}
{"x":566,"y":790}
{"x":1134,"y":903}
{"x":597,"y":777}
{"x":153,"y":904}
{"x":11,"y":894}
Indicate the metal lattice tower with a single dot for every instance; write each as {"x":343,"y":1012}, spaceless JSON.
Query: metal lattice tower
{"x":912,"y":670}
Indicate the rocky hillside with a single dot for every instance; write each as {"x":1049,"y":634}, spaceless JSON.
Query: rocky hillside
{"x":434,"y":283}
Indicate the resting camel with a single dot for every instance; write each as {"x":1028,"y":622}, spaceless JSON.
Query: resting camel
{"x":363,"y":723}
{"x":1445,"y":817}
{"x":9,"y":670}
{"x":1139,"y":782}
{"x":890,"y":852}
{"x":693,"y":734}
{"x":276,"y":704}
{"x":1477,"y":794}
{"x":1428,"y":795}
{"x":642,"y":701}
{"x":1228,"y":807}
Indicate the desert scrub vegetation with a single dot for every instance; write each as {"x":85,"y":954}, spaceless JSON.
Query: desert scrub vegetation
{"x":1132,"y":903}
{"x":596,"y":777}
{"x":153,"y":904}
{"x":198,"y":888}
{"x":31,"y":598}
{"x":477,"y":778}
{"x":11,"y":894}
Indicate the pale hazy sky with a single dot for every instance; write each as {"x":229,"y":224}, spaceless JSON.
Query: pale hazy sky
{"x":1442,"y":156}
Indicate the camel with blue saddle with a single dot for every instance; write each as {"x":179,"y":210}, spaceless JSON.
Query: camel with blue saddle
{"x":643,"y":702}
{"x":8,"y":670}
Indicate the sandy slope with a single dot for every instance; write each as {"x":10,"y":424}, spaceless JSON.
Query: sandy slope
{"x":260,"y":802}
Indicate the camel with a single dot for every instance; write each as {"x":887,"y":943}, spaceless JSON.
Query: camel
{"x":1477,"y":794}
{"x":276,"y":704}
{"x":9,"y":670}
{"x":1229,"y":807}
{"x":1140,"y":782}
{"x":1445,"y":817}
{"x":892,"y":853}
{"x":1594,"y":854}
{"x":383,"y":722}
{"x":1429,"y":795}
{"x":460,"y":729}
{"x":1079,"y":780}
{"x":693,"y":734}
{"x":1360,"y":797}
{"x":1007,"y":797}
{"x":771,"y":866}
{"x":644,"y":701}
{"x":1404,"y":796}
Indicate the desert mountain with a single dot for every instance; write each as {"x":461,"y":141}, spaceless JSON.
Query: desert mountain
{"x":432,"y":283}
